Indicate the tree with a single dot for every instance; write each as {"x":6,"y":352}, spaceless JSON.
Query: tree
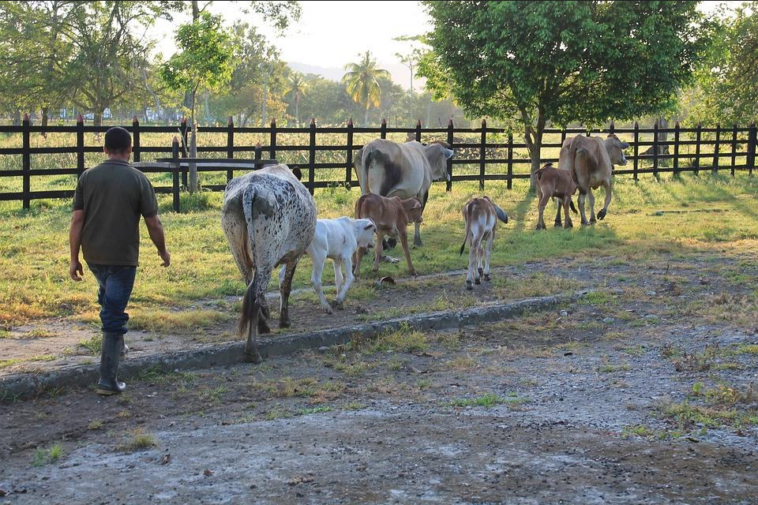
{"x":726,"y":90}
{"x":560,"y":62}
{"x":205,"y":58}
{"x":362,"y":82}
{"x":297,"y":87}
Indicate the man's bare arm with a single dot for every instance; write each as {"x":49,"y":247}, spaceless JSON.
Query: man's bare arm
{"x":75,"y":270}
{"x":155,"y":229}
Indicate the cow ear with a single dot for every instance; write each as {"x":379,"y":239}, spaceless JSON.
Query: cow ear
{"x":416,"y":205}
{"x":297,"y":173}
{"x":448,"y":152}
{"x":368,"y":226}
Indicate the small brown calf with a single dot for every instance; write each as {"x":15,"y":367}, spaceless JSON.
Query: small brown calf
{"x":391,"y":216}
{"x":480,"y":216}
{"x":555,"y":183}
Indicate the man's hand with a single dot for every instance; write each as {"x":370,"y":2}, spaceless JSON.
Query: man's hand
{"x":75,"y":270}
{"x":166,"y":257}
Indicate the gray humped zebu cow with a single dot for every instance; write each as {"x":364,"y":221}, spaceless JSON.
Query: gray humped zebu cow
{"x":269,"y":219}
{"x":480,"y":216}
{"x":590,"y":160}
{"x":405,"y":170}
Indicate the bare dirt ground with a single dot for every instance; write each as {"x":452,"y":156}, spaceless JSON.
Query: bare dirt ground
{"x":641,"y":393}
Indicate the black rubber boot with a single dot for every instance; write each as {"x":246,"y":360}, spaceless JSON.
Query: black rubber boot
{"x":109,"y":384}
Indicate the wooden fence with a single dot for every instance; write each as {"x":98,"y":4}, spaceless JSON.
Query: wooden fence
{"x":729,"y":143}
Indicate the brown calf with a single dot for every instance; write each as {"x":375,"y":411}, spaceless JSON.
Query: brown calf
{"x":391,"y":216}
{"x":555,"y":183}
{"x":480,"y":216}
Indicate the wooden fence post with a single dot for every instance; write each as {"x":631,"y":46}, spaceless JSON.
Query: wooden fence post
{"x":482,"y":155}
{"x":697,"y":148}
{"x":349,"y":157}
{"x":175,"y":173}
{"x":563,"y":136}
{"x":510,"y":158}
{"x":230,"y":147}
{"x":26,"y":162}
{"x":676,"y":149}
{"x":183,"y":129}
{"x":715,"y":168}
{"x":312,"y":155}
{"x":418,"y":130}
{"x":612,"y":128}
{"x":272,"y":147}
{"x":636,"y":150}
{"x":258,"y":155}
{"x":655,"y":149}
{"x":734,"y":148}
{"x":752,"y":140}
{"x":383,"y":133}
{"x":135,"y":139}
{"x":449,"y":184}
{"x":79,"y":145}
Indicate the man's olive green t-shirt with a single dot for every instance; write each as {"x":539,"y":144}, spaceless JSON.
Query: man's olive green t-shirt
{"x":113,"y":196}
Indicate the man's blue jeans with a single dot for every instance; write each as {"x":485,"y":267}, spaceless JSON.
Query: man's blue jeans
{"x":116,"y":283}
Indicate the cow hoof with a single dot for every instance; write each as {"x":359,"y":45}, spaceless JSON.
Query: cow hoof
{"x":558,"y":224}
{"x":539,"y":227}
{"x":469,"y":286}
{"x":477,"y":281}
{"x":418,"y":243}
{"x":413,"y":273}
{"x":391,"y":243}
{"x":338,"y":305}
{"x":328,"y":310}
{"x":601,"y":214}
{"x":284,"y":324}
{"x":263,"y":328}
{"x":253,"y":357}
{"x":585,"y":223}
{"x":481,"y":271}
{"x":569,"y":225}
{"x":487,"y":277}
{"x":593,"y":221}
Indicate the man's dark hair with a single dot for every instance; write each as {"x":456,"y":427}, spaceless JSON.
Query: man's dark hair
{"x":117,"y":140}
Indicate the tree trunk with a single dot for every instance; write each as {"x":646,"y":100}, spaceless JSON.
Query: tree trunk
{"x":365,"y":119}
{"x":297,"y":111}
{"x":193,"y":148}
{"x":533,"y":136}
{"x":17,"y":117}
{"x":265,"y":99}
{"x":99,"y":118}
{"x":44,"y":121}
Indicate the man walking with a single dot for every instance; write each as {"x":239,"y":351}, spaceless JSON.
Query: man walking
{"x":108,"y":202}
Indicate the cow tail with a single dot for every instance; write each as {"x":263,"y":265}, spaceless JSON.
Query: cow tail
{"x":571,"y":204}
{"x":249,"y":204}
{"x":468,"y":230}
{"x":539,"y":175}
{"x":501,"y":215}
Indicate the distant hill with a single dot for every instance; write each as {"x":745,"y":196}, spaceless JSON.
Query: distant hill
{"x":400,"y":73}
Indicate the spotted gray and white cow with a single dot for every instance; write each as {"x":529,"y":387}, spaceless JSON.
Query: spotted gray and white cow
{"x":404,"y":170}
{"x":269,"y":219}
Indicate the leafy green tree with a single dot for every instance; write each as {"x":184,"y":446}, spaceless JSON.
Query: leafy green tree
{"x":297,"y":90}
{"x":205,"y":58}
{"x":362,"y":82}
{"x":559,"y":62}
{"x":726,"y":88}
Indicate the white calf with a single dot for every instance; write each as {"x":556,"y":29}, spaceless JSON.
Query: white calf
{"x":480,"y":215}
{"x":337,"y":239}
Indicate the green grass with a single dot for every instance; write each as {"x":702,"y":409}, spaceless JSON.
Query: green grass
{"x":34,"y":282}
{"x":137,"y":440}
{"x":43,"y":457}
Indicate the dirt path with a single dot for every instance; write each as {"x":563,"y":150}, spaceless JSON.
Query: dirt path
{"x":645,"y":393}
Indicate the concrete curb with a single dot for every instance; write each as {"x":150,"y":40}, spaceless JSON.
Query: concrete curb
{"x":20,"y":386}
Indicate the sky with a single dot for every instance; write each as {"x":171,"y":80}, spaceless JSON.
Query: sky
{"x":331,"y":34}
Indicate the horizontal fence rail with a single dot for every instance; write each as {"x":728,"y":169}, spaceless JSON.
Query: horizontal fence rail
{"x":482,"y":148}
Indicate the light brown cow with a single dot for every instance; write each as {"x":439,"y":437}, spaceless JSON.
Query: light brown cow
{"x":590,"y":160}
{"x":554,"y":183}
{"x":391,"y":216}
{"x":480,"y":215}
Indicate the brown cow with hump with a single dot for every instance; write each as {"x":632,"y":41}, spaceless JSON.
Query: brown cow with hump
{"x":391,"y":216}
{"x":590,"y":160}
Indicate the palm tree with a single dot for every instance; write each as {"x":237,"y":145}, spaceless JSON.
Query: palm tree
{"x":297,"y":87}
{"x":362,"y":82}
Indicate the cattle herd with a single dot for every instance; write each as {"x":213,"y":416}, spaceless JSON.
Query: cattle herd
{"x":269,"y":217}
